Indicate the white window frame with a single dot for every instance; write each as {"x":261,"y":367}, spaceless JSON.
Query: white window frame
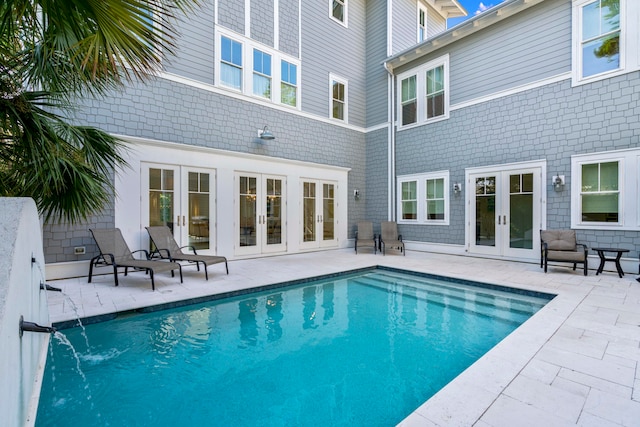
{"x":421,"y":9}
{"x":248,"y":45}
{"x":345,"y":3}
{"x":421,"y":92}
{"x":421,"y":192}
{"x":629,"y":41}
{"x":260,"y":73}
{"x":333,"y":78}
{"x":628,"y":188}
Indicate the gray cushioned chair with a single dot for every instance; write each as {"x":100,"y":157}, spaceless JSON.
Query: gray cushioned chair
{"x":561,"y":246}
{"x":167,"y":248}
{"x":390,"y":238}
{"x":115,"y":252}
{"x":365,"y":237}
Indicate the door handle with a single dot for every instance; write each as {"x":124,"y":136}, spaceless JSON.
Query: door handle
{"x":504,"y":219}
{"x":184,"y":220}
{"x":499,"y":220}
{"x":178,"y":220}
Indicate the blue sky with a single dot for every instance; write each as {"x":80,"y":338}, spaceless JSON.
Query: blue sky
{"x":473,"y":7}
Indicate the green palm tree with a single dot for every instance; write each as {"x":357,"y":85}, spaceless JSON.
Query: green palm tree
{"x":52,"y":52}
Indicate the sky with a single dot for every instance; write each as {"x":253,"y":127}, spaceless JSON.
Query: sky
{"x":473,"y":7}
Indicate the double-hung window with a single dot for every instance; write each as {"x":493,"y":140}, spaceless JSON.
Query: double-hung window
{"x":424,"y":198}
{"x":338,"y":98}
{"x":231,"y":63}
{"x":409,"y":100}
{"x":605,"y":191}
{"x":606,"y":38}
{"x":261,"y":74}
{"x":422,"y":23}
{"x":289,"y":85}
{"x":424,"y":93}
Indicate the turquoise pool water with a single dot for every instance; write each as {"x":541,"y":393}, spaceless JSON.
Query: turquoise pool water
{"x":360,"y":350}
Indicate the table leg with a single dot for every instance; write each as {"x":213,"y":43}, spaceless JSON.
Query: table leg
{"x":618,"y":267}
{"x":602,"y":260}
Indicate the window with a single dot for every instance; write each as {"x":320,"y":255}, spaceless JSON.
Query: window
{"x":606,"y":38}
{"x":422,"y":23}
{"x":231,"y":63}
{"x":338,"y":98}
{"x":409,"y":101}
{"x":256,"y":70}
{"x":435,"y":92}
{"x":599,"y":193}
{"x":604,"y":190}
{"x":424,"y":198}
{"x":431,"y":82}
{"x":261,"y":74}
{"x":288,"y":87}
{"x":339,"y":10}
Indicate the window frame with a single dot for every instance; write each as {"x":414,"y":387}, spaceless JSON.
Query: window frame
{"x":247,"y":74}
{"x":345,"y":6}
{"x":422,"y":201}
{"x":629,"y":42}
{"x":628,"y":189}
{"x":345,"y":110}
{"x":420,"y":73}
{"x":261,"y":73}
{"x":239,"y":67}
{"x":422,"y":9}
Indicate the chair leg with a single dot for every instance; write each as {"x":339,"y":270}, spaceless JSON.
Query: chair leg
{"x":226,"y":266}
{"x":153,"y":284}
{"x":180,"y":269}
{"x":94,"y":259}
{"x":206,"y":273}
{"x":115,"y":273}
{"x":585,"y":267}
{"x":545,"y":265}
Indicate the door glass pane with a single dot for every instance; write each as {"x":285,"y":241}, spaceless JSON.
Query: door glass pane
{"x":327,"y":212}
{"x":161,"y":211}
{"x":485,"y":211}
{"x":521,"y":212}
{"x":274,"y":211}
{"x":309,"y":212}
{"x":199,"y":210}
{"x":247,"y":196}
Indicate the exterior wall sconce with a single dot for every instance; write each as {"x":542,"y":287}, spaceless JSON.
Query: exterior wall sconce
{"x":356,"y":194}
{"x":457,"y":187}
{"x":265,"y":134}
{"x":557,"y":181}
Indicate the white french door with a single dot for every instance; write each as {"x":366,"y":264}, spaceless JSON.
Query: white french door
{"x":318,"y":220}
{"x":182,"y":198}
{"x":260,"y":214}
{"x":505,"y":212}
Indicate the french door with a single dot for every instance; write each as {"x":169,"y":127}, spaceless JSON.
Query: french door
{"x":260,"y":214}
{"x":318,"y":220}
{"x":505,"y":212}
{"x":182,"y":198}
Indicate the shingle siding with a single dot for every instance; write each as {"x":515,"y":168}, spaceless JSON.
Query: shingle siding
{"x":289,"y":27}
{"x":377,"y":76}
{"x":262,"y":22}
{"x":231,"y":15}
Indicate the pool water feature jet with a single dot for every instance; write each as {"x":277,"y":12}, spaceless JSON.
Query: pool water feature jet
{"x":34,"y":327}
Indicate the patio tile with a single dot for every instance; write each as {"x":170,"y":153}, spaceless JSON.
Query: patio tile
{"x":613,"y":408}
{"x":509,"y":412}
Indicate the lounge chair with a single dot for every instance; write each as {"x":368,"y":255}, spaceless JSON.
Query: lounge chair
{"x":561,"y":245}
{"x":389,"y":237}
{"x":114,"y":251}
{"x":365,"y":237}
{"x":167,"y":248}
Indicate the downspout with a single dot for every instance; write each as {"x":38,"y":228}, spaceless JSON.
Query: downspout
{"x":391,"y":145}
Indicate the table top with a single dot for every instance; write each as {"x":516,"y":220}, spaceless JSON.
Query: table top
{"x":610,"y":250}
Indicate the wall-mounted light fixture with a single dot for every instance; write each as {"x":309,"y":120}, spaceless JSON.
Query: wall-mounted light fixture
{"x":457,"y":187}
{"x":557,"y":181}
{"x":265,"y":134}
{"x":356,"y":194}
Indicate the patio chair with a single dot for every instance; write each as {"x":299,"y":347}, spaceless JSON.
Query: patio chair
{"x":114,"y":251}
{"x":167,"y":248}
{"x":389,"y":237}
{"x":561,"y":246}
{"x":365,"y":237}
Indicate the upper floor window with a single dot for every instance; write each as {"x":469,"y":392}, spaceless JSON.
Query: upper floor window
{"x":338,"y":98}
{"x":289,"y":85}
{"x":604,"y":190}
{"x":231,"y":63}
{"x":422,"y":23}
{"x":606,"y":36}
{"x":261,"y":74}
{"x":255,"y":69}
{"x":339,"y":10}
{"x":424,"y":198}
{"x":431,"y":82}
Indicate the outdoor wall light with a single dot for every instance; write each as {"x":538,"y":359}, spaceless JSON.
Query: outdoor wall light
{"x":265,"y":134}
{"x":457,"y":187}
{"x":356,"y":194}
{"x":557,"y":181}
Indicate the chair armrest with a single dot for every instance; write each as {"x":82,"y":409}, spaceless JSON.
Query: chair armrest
{"x":400,"y":237}
{"x":146,"y":253}
{"x":164,"y":253}
{"x":192,"y":248}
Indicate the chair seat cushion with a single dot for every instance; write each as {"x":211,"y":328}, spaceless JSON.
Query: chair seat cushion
{"x":566,"y":256}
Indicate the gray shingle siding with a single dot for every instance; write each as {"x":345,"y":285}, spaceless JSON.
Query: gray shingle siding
{"x":262,"y":20}
{"x":376,"y":192}
{"x":231,"y":15}
{"x":376,"y":78}
{"x":289,"y":27}
{"x":404,"y":31}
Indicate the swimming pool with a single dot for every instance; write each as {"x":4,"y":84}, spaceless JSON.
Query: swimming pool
{"x":359,"y":349}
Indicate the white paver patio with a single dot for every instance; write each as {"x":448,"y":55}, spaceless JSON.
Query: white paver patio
{"x":576,"y":362}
